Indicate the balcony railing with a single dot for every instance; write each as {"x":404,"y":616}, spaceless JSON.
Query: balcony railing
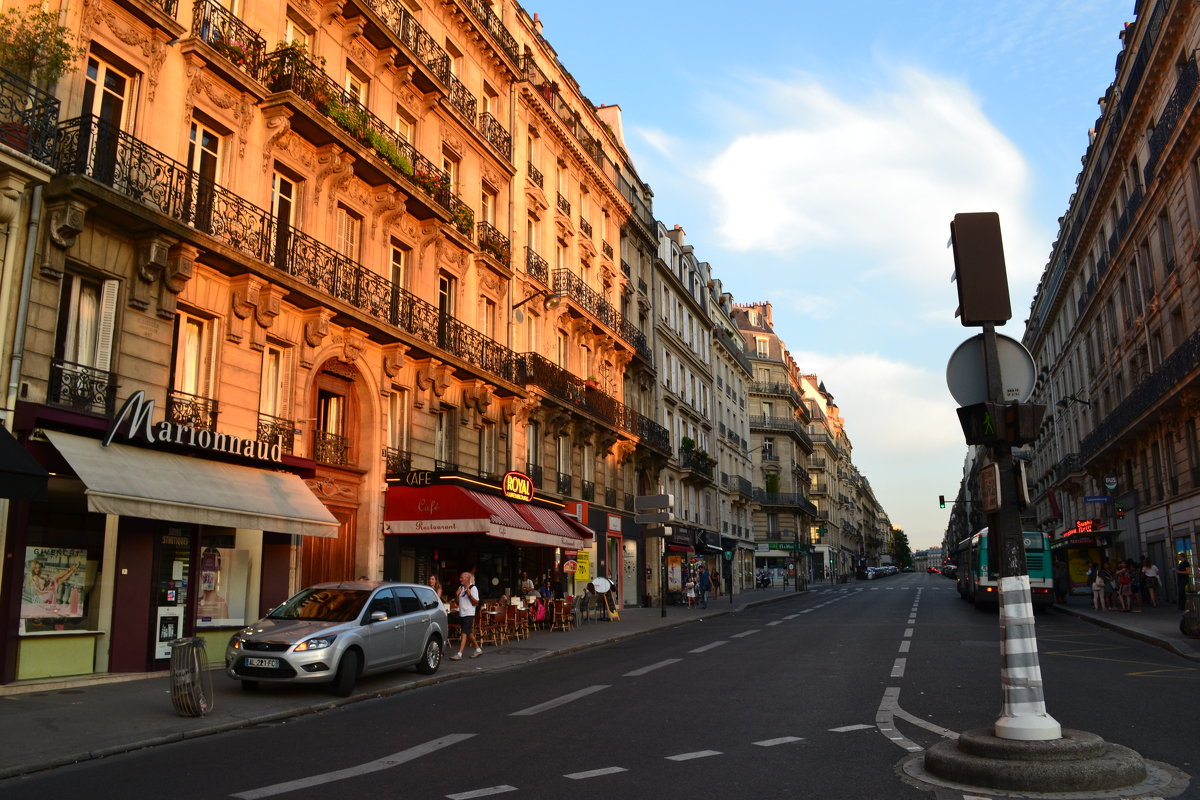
{"x":81,"y":387}
{"x":414,"y":37}
{"x":192,"y":410}
{"x":587,"y":490}
{"x":571,"y":390}
{"x":287,"y":69}
{"x":696,"y":462}
{"x":276,"y":429}
{"x":1177,"y":103}
{"x":549,"y":91}
{"x":461,"y":98}
{"x":563,"y":483}
{"x":494,"y":132}
{"x":494,"y":243}
{"x":116,"y":159}
{"x":790,"y":499}
{"x":229,"y":36}
{"x":628,"y":502}
{"x":535,"y":174}
{"x":169,"y":7}
{"x":396,"y":461}
{"x":331,"y":448}
{"x":585,"y":227}
{"x":536,"y":266}
{"x":610,"y":497}
{"x":484,"y":13}
{"x":564,"y":205}
{"x":577,"y":289}
{"x":786,"y":424}
{"x":28,"y":118}
{"x":743,"y":486}
{"x":607,"y":250}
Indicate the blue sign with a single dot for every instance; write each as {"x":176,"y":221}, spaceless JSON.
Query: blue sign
{"x":1100,"y":498}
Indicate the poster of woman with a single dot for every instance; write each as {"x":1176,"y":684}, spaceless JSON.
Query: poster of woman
{"x":55,"y":585}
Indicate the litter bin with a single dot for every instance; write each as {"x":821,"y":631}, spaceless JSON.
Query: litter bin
{"x":191,"y":684}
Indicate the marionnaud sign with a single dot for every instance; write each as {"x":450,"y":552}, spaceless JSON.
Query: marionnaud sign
{"x":136,"y":415}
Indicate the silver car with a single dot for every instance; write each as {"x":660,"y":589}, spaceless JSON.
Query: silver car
{"x":335,"y":632}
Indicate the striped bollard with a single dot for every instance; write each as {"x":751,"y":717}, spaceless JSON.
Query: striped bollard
{"x":1023,"y":716}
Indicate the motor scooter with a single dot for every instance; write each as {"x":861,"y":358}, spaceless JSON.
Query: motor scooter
{"x":764,"y":581}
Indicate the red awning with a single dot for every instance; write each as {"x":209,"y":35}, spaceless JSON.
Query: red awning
{"x":555,"y":521}
{"x":418,"y":510}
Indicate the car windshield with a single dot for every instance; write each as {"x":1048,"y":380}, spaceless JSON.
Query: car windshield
{"x":326,"y":605}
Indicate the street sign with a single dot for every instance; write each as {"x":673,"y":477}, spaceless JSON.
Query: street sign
{"x":653,"y":502}
{"x":1110,"y":482}
{"x":989,"y":488}
{"x":967,"y":378}
{"x":652,"y":517}
{"x":1097,"y":498}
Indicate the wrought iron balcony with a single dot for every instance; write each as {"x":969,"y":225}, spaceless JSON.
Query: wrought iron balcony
{"x":492,"y":24}
{"x":229,"y":36}
{"x":410,"y":33}
{"x":441,"y":465}
{"x":585,"y":227}
{"x":820,"y":488}
{"x":1070,"y":465}
{"x":1179,"y":102}
{"x":628,"y":502}
{"x":549,"y":91}
{"x":28,"y":118}
{"x":568,"y":389}
{"x":169,"y":7}
{"x":776,"y":388}
{"x":587,"y":490}
{"x":535,"y":473}
{"x":742,"y":486}
{"x":610,"y":497}
{"x":494,"y":243}
{"x":461,"y":98}
{"x":625,"y":268}
{"x":697,"y":462}
{"x":276,"y":429}
{"x":787,"y":425}
{"x":112,"y":157}
{"x":563,"y":483}
{"x":191,"y":410}
{"x":331,"y":448}
{"x":396,"y":461}
{"x":494,"y":132}
{"x":607,"y":250}
{"x":535,"y":174}
{"x":81,"y":387}
{"x":564,"y":205}
{"x":785,"y":499}
{"x":536,"y":266}
{"x":590,"y":300}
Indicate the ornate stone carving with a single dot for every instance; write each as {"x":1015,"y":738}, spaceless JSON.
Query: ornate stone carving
{"x":354,"y":344}
{"x":316,"y":328}
{"x":393,"y":359}
{"x":454,"y":142}
{"x":12,"y":185}
{"x":252,"y":296}
{"x":432,"y":380}
{"x":235,"y":103}
{"x":332,"y":160}
{"x":154,"y":50}
{"x":150,"y":261}
{"x":390,"y":205}
{"x":181,"y":266}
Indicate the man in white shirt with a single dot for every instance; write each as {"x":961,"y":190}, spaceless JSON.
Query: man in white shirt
{"x":468,"y":599}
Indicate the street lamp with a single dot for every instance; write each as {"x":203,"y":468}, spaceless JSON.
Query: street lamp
{"x":1066,"y":401}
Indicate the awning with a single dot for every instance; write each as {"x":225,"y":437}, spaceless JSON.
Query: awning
{"x":446,"y":509}
{"x":21,"y":476}
{"x":136,"y":482}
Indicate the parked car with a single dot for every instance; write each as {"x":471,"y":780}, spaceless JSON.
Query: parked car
{"x":337,"y":632}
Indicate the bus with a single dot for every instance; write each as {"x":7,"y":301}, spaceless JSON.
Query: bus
{"x":978,"y":582}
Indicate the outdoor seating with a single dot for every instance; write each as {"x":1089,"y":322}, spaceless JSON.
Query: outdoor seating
{"x":562,"y":616}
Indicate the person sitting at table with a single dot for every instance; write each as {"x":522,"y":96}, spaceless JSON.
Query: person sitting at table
{"x":545,"y":591}
{"x":527,"y":587}
{"x":538,"y":611}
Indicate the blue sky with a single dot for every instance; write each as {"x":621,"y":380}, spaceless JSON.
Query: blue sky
{"x":815,"y":154}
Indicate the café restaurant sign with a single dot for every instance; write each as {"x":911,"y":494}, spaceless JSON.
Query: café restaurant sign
{"x":517,"y":486}
{"x":136,"y":416}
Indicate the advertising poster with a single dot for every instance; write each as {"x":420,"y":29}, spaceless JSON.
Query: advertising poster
{"x":583,"y":566}
{"x":54,"y":594}
{"x":224,"y":577}
{"x":674,"y":573}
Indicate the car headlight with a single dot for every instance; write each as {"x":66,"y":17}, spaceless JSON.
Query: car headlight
{"x":316,"y":643}
{"x":235,"y":642}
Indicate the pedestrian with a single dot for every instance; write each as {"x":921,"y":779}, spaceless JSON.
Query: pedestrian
{"x":1062,"y":581}
{"x":1151,"y":580}
{"x":704,"y":586}
{"x":1183,"y":576}
{"x":1124,"y":586}
{"x":689,"y":591}
{"x":436,"y":585}
{"x":1110,"y":585}
{"x":1096,"y":581}
{"x":716,"y":579}
{"x":1135,"y":575}
{"x":468,"y":599}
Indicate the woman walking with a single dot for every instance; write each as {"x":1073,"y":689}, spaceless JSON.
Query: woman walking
{"x":1151,"y":579}
{"x":1097,"y":582}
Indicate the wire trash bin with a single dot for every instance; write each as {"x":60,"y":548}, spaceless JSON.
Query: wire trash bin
{"x":191,"y":683}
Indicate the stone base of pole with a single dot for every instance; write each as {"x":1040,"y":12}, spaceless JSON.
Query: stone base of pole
{"x":1079,"y":761}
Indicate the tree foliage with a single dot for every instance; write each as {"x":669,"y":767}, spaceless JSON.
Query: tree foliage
{"x":34,"y":46}
{"x":903,"y":551}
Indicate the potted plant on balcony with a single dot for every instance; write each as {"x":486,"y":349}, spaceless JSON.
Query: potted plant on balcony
{"x":36,"y":49}
{"x":590,"y":382}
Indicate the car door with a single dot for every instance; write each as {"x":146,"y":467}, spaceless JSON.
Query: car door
{"x":415,"y":620}
{"x":383,"y":640}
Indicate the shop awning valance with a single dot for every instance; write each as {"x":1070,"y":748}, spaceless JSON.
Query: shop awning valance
{"x":21,"y":476}
{"x":447,"y":509}
{"x":137,"y":482}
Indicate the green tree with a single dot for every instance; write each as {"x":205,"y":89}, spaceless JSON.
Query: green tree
{"x":903,"y":551}
{"x":35,"y":47}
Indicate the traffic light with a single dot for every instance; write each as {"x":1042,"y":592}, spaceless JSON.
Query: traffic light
{"x":1120,"y":511}
{"x":979,"y":270}
{"x":941,"y":501}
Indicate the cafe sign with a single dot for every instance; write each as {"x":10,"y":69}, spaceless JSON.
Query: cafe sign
{"x":137,"y":412}
{"x":517,"y":486}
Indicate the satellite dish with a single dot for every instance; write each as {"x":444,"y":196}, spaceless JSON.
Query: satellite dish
{"x":518,"y":316}
{"x":601,"y":585}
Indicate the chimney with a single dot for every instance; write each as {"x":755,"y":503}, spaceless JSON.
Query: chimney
{"x":677,"y":235}
{"x":610,"y":115}
{"x":537,"y":23}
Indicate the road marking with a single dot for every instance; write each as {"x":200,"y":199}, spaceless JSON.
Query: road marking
{"x":848,"y":728}
{"x":780,"y":740}
{"x":884,"y":720}
{"x":791,"y":616}
{"x":908,"y":632}
{"x":697,"y":754}
{"x":774,"y":623}
{"x":387,"y":762}
{"x":558,"y":701}
{"x":806,"y":611}
{"x":594,"y":773}
{"x":898,"y":667}
{"x":904,"y":646}
{"x":638,"y":672}
{"x":491,"y":790}
{"x":705,"y":648}
{"x":745,"y":633}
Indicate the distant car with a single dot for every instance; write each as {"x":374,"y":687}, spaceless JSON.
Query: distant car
{"x":337,"y":632}
{"x":932,"y":569}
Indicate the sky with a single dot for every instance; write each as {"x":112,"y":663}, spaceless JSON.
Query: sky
{"x":815,"y":154}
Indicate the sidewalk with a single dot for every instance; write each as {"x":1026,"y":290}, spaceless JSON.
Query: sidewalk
{"x":45,"y":724}
{"x":1158,"y":626}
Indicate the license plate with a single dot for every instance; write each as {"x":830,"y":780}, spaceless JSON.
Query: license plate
{"x":265,"y":663}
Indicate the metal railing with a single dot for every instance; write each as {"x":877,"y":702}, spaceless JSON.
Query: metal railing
{"x":696,"y":462}
{"x":535,"y":174}
{"x":461,"y":98}
{"x":494,"y":243}
{"x":610,"y":497}
{"x":549,"y":91}
{"x":587,"y":490}
{"x":590,"y":300}
{"x":396,"y":461}
{"x":536,"y":266}
{"x":414,"y":37}
{"x":791,"y":499}
{"x":564,"y":205}
{"x":585,"y":227}
{"x":743,"y":486}
{"x":229,"y":36}
{"x":277,"y":429}
{"x":492,"y":24}
{"x":534,"y":471}
{"x":28,"y":118}
{"x":192,"y":410}
{"x":786,"y":424}
{"x":494,"y":132}
{"x":331,"y":448}
{"x":607,"y":250}
{"x":82,"y":387}
{"x":563,"y":482}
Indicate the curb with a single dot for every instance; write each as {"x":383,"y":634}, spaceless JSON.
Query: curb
{"x":1132,"y":633}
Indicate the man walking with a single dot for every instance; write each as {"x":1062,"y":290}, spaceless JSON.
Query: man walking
{"x":468,"y":599}
{"x":705,"y":583}
{"x":1183,"y":576}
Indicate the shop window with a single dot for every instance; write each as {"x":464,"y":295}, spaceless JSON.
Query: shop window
{"x":63,"y":554}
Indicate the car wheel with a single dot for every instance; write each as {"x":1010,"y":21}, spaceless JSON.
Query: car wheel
{"x":431,"y":659}
{"x":347,"y":674}
{"x":249,"y":686}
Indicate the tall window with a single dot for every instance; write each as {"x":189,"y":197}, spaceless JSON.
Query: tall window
{"x":761,"y":347}
{"x":400,"y":256}
{"x":87,"y":313}
{"x":487,"y":205}
{"x":487,"y":449}
{"x":450,"y":167}
{"x":283,"y":212}
{"x":194,"y":355}
{"x":107,"y":95}
{"x":398,"y":405}
{"x":563,"y":354}
{"x":204,"y":147}
{"x":487,"y":317}
{"x":356,"y":87}
{"x":562,"y":454}
{"x":349,"y":232}
{"x":443,"y":437}
{"x":274,"y":388}
{"x":293,"y":33}
{"x":533,"y":445}
{"x":1166,"y":240}
{"x":406,"y":127}
{"x":447,"y":294}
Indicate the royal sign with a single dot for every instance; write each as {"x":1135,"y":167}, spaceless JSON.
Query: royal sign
{"x":517,"y":486}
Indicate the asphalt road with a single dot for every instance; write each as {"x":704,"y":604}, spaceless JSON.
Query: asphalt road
{"x":817,"y":696}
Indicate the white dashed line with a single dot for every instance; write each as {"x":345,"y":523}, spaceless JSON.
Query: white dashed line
{"x":848,"y":728}
{"x":697,"y":754}
{"x":594,"y":773}
{"x":908,"y":632}
{"x":774,"y":623}
{"x":780,"y":740}
{"x":638,"y":672}
{"x":705,"y":648}
{"x":904,"y":646}
{"x":558,"y":701}
{"x":491,"y":790}
{"x":745,"y":633}
{"x":898,"y":668}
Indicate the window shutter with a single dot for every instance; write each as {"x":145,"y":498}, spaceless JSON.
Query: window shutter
{"x":108,"y":324}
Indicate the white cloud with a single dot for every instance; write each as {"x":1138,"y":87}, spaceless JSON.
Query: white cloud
{"x":876,"y":180}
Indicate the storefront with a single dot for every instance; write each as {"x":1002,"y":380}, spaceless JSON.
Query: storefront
{"x":142,"y":543}
{"x":444,"y":524}
{"x":1081,"y":549}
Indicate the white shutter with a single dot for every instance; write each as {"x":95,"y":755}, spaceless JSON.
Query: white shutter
{"x":107,"y":324}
